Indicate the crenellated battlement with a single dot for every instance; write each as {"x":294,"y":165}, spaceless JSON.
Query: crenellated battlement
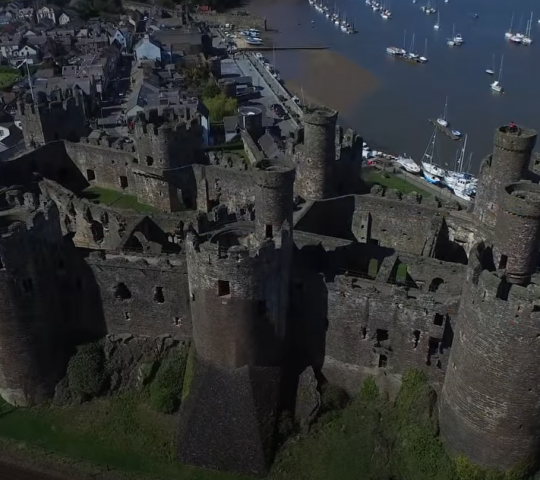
{"x":518,"y":140}
{"x":169,"y":121}
{"x":164,"y":261}
{"x":104,"y":141}
{"x":392,"y":194}
{"x":235,"y":244}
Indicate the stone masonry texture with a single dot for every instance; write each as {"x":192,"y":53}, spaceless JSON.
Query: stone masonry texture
{"x":270,"y":268}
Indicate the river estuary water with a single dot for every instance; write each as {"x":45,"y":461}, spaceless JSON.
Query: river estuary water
{"x":390,"y":103}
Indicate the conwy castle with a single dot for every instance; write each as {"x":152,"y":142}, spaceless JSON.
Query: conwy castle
{"x":282,"y":272}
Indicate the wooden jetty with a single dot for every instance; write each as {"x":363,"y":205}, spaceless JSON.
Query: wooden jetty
{"x":446,"y":130}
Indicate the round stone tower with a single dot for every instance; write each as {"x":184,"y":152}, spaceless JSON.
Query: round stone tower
{"x":317,"y":156}
{"x":489,"y":409}
{"x":273,"y":198}
{"x":507,"y":164}
{"x":238,"y":317}
{"x":30,"y":316}
{"x":517,"y":232}
{"x":251,"y":120}
{"x":239,"y":299}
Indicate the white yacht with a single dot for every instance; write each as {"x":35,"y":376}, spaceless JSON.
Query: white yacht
{"x":458,"y":180}
{"x":496,"y":85}
{"x":508,"y":34}
{"x":408,"y":164}
{"x":527,"y":39}
{"x":432,"y":172}
{"x":517,"y":38}
{"x":442,"y":121}
{"x":491,"y":70}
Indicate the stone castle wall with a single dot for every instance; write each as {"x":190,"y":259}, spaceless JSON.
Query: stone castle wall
{"x":489,"y":405}
{"x":33,"y":336}
{"x":143,"y":295}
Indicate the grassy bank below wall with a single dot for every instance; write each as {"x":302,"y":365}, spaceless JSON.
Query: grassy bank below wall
{"x":373,"y":438}
{"x":119,"y":433}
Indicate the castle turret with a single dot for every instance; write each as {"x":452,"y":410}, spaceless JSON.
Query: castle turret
{"x":517,"y":232}
{"x":489,"y":409}
{"x":273,"y":198}
{"x":168,"y":140}
{"x":507,"y":164}
{"x":30,"y":338}
{"x":317,"y":156}
{"x":251,"y":121}
{"x":239,"y":298}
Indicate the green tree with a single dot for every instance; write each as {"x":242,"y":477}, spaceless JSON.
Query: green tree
{"x":220,"y":106}
{"x":210,"y":89}
{"x":86,"y":371}
{"x":166,"y":389}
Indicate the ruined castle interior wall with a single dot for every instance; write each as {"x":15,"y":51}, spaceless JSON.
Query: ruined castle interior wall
{"x":232,"y":188}
{"x":170,"y":190}
{"x":398,"y":224}
{"x":353,"y":326}
{"x":144,"y":296}
{"x":152,"y":189}
{"x":104,"y":167}
{"x":92,"y":226}
{"x":378,"y":327}
{"x":464,"y":231}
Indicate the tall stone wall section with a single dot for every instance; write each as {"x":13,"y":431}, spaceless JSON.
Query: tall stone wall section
{"x":32,"y":320}
{"x":221,"y":185}
{"x":46,"y":121}
{"x":508,"y":164}
{"x":489,"y":409}
{"x":316,"y":158}
{"x":357,"y":318}
{"x":103,"y":166}
{"x":143,"y":295}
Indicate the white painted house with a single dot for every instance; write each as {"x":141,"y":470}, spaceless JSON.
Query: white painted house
{"x":46,"y":12}
{"x":64,"y":19}
{"x":147,"y":49}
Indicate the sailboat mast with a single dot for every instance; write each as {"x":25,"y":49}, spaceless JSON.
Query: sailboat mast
{"x":500,"y":69}
{"x":462,"y":158}
{"x":469,"y":162}
{"x":430,"y":149}
{"x":445,"y":112}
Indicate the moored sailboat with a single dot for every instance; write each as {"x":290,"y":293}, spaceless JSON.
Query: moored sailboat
{"x":431,"y":171}
{"x":461,"y":183}
{"x":496,"y":85}
{"x":438,"y":24}
{"x":491,"y":71}
{"x":508,"y":34}
{"x":441,"y":120}
{"x":527,"y":39}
